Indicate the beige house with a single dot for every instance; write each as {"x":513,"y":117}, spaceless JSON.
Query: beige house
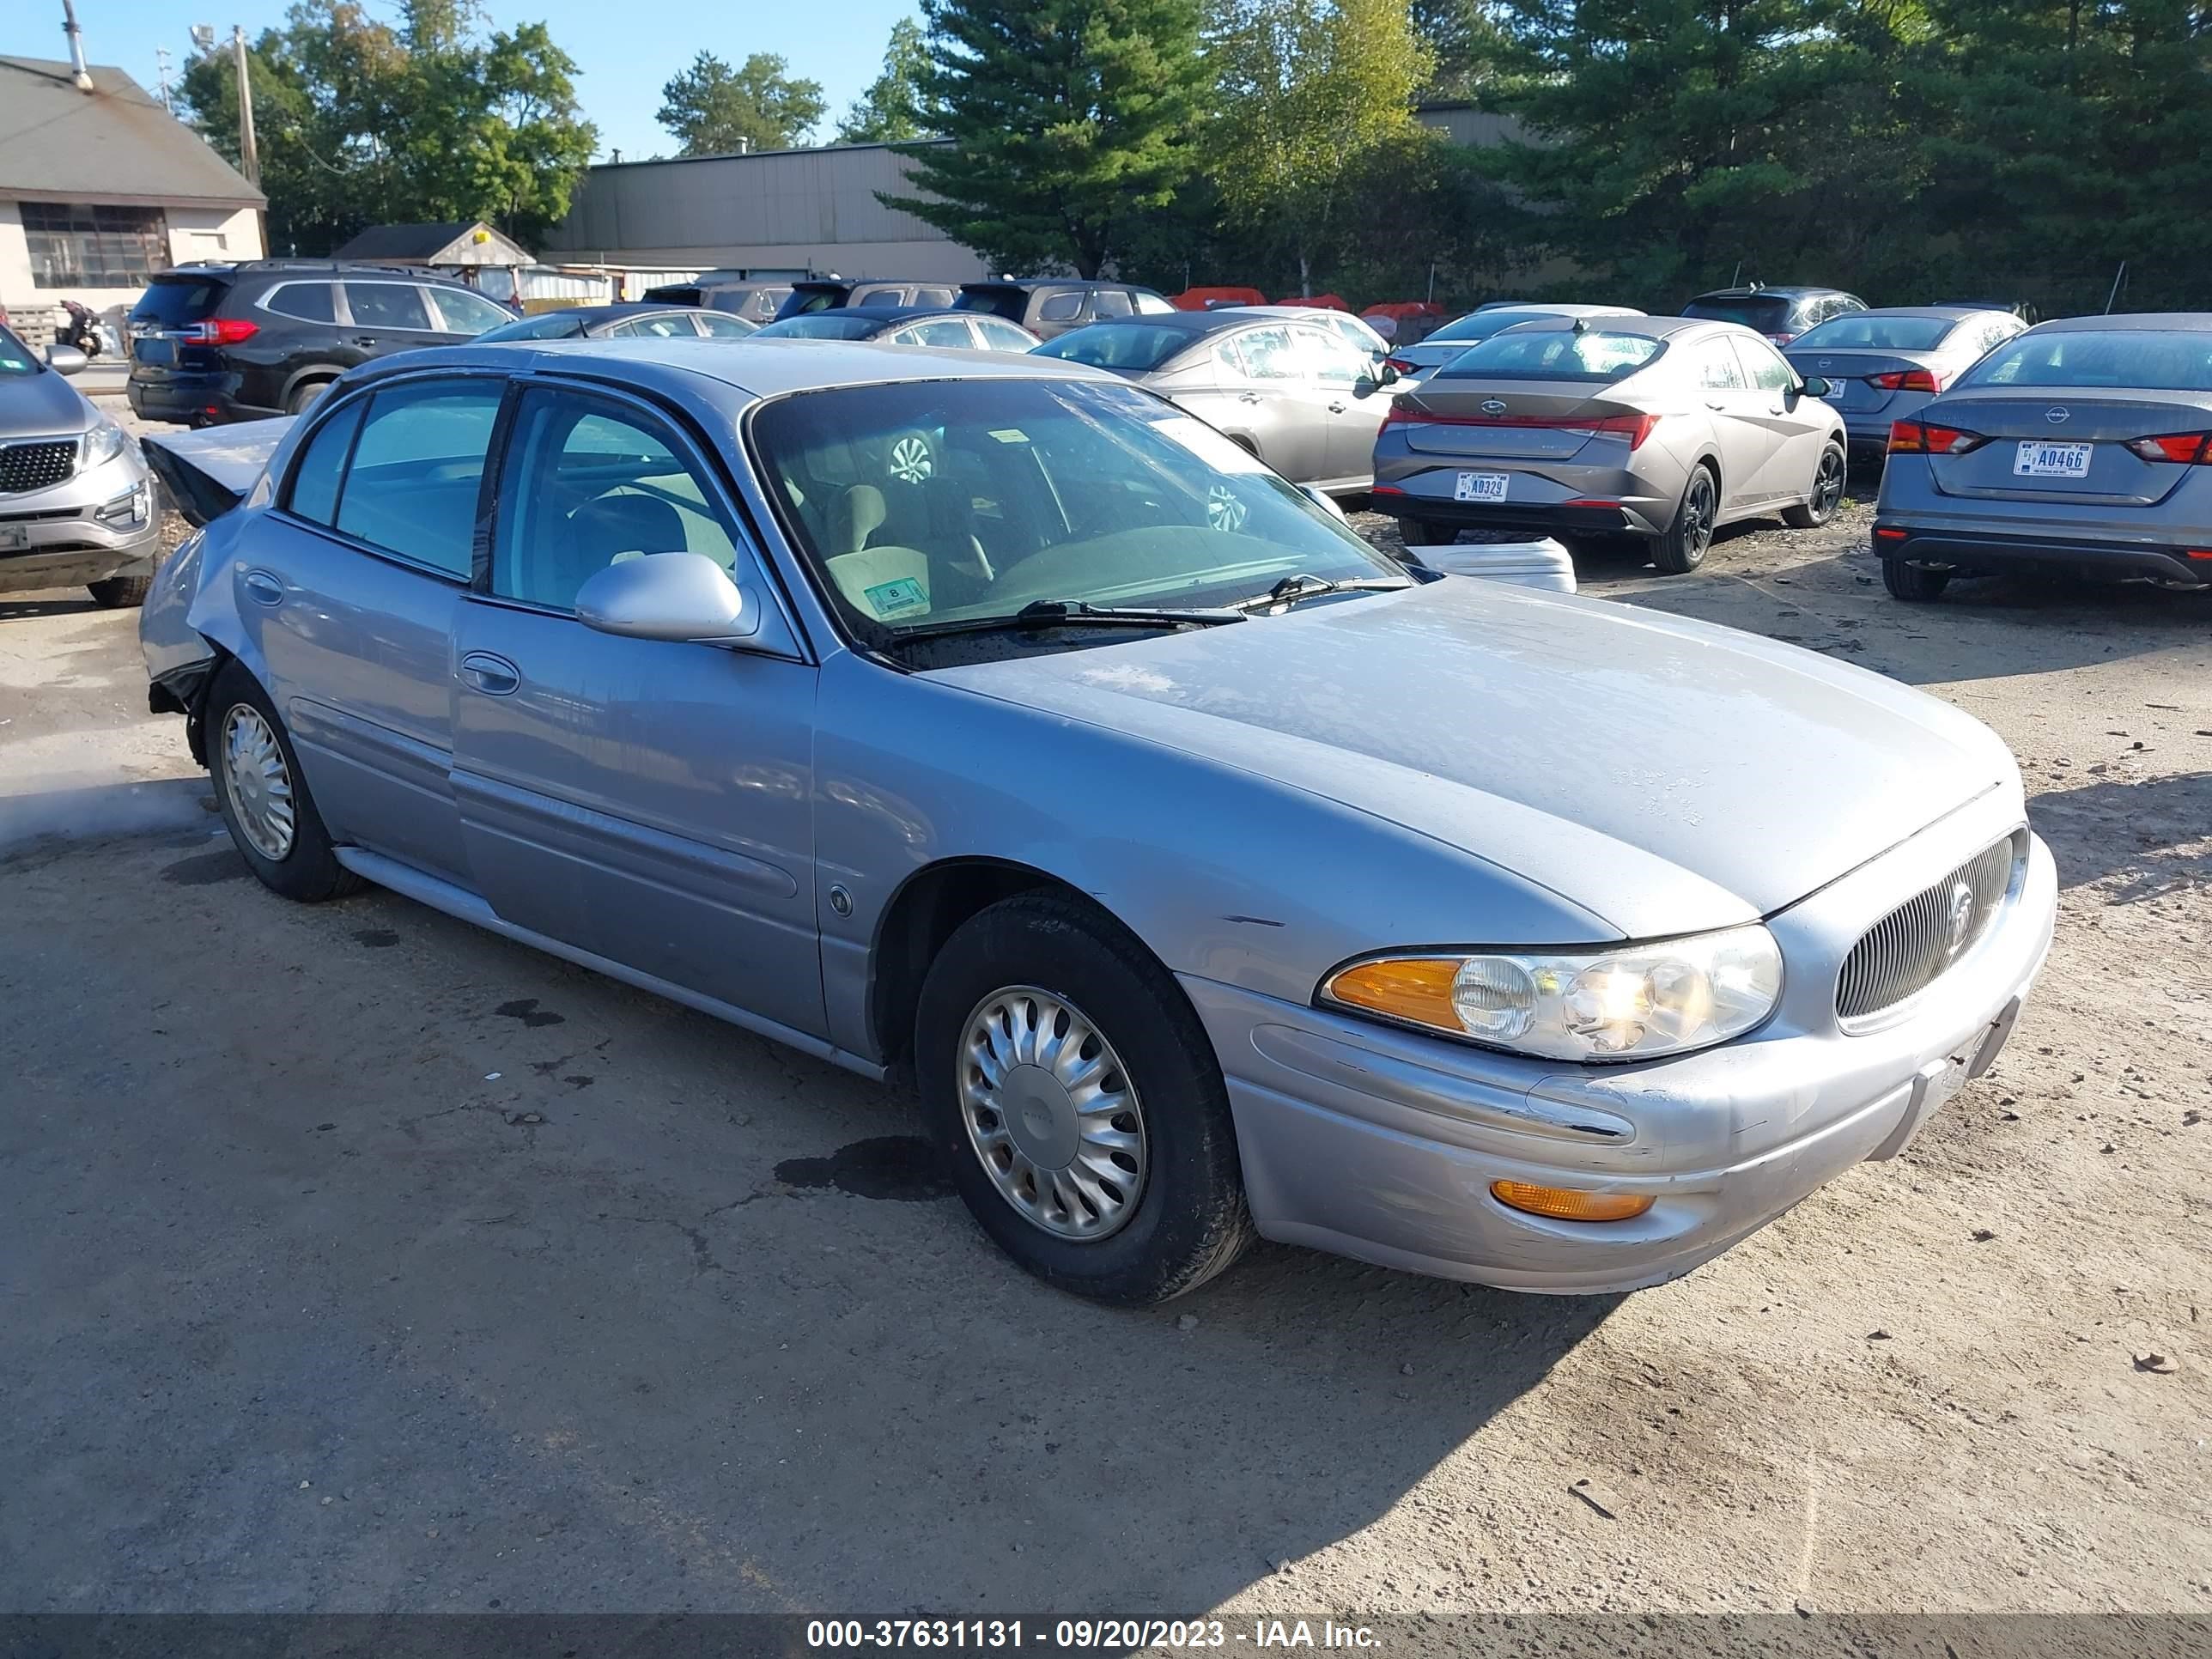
{"x":100,"y":189}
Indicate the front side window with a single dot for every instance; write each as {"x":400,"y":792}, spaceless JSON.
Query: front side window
{"x":926,"y":502}
{"x":1133,"y":348}
{"x":944,"y":332}
{"x":314,"y":491}
{"x":388,"y":304}
{"x":1005,"y":337}
{"x":1768,"y":370}
{"x":1329,"y":359}
{"x":819,"y":326}
{"x":546,"y":325}
{"x":417,"y":468}
{"x":587,"y":484}
{"x":933,"y":296}
{"x":468,"y":314}
{"x":76,"y":244}
{"x":1151,"y":305}
{"x":717,"y":325}
{"x":665,"y":325}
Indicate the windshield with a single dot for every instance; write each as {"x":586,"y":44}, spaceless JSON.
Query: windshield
{"x":2159,"y":360}
{"x":1769,"y":314}
{"x":930,"y":502}
{"x":820,"y":326}
{"x":1555,"y":354}
{"x":16,"y":357}
{"x":1133,"y":348}
{"x":176,"y":301}
{"x":1860,"y":332}
{"x":552,"y":325}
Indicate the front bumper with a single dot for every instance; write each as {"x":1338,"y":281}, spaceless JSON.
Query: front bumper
{"x":101,"y":523}
{"x":2091,"y":558}
{"x":1382,"y":1144}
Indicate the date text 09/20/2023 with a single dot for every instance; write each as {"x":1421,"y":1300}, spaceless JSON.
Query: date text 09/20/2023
{"x":1077,"y":1635}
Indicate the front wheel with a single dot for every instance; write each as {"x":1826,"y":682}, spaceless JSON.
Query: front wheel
{"x":120,"y":593}
{"x":1074,"y":1098}
{"x":1681,"y":548}
{"x":263,"y":798}
{"x":1827,"y":491}
{"x":1915,"y":583}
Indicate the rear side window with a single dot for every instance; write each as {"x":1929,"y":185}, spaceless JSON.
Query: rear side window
{"x":314,"y":492}
{"x":933,"y":296}
{"x":1011,"y":303}
{"x":1267,"y":353}
{"x":944,"y":331}
{"x":2153,"y":360}
{"x":416,"y":469}
{"x":178,"y":301}
{"x":1151,"y":305}
{"x":388,"y":304}
{"x":1060,"y":308}
{"x":1717,"y":368}
{"x":310,"y":302}
{"x":1556,"y":355}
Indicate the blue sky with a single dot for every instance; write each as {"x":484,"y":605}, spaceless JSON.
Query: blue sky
{"x":625,"y":52}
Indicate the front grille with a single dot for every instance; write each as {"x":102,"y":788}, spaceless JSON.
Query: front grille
{"x":36,"y":465}
{"x":1909,"y":949}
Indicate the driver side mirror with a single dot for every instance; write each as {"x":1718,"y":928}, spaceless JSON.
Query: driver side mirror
{"x":1814,"y":386}
{"x":684,"y":598}
{"x":65,"y":360}
{"x":1376,"y":378}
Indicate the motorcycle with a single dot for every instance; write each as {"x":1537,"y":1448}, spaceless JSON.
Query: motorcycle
{"x":82,"y":329}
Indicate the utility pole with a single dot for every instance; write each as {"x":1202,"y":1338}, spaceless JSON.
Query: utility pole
{"x":248,"y":151}
{"x":161,"y":73}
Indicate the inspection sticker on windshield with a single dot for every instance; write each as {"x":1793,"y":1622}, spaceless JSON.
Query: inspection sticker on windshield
{"x":1479,"y":487}
{"x":1010,"y":435}
{"x":2037,"y":459}
{"x":895,"y":599}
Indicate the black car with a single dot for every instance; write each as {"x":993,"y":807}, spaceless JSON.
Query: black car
{"x":1051,"y":306}
{"x":1780,"y":313}
{"x":634,"y":319}
{"x":725,"y":291}
{"x":217,"y":342}
{"x":924,"y":325}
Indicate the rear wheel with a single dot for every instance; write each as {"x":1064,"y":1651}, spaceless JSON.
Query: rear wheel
{"x":1075,"y":1099}
{"x":263,"y":797}
{"x":1421,"y":532}
{"x":1682,"y":547}
{"x":305,"y":397}
{"x":1913,"y":582}
{"x":1827,"y":491}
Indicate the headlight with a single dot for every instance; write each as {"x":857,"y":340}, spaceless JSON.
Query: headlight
{"x":1625,"y":1002}
{"x":103,"y":443}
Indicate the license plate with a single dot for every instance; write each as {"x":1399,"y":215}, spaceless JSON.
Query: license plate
{"x":148,"y":350}
{"x":1479,"y":487}
{"x":13,"y":536}
{"x":2037,"y":459}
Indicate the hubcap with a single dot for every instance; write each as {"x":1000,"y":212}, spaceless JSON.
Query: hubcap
{"x":259,"y":782}
{"x":1051,"y":1113}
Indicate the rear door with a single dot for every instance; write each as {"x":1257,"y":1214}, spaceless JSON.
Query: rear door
{"x":1272,"y":397}
{"x":386,"y":316}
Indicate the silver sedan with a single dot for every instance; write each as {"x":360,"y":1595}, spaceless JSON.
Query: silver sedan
{"x":1885,"y":365}
{"x":1075,"y":781}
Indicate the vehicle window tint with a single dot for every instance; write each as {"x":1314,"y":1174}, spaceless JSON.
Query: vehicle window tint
{"x":468,"y":314}
{"x":1151,"y":305}
{"x":1556,"y":354}
{"x":1002,"y":337}
{"x":1110,"y":302}
{"x":1327,"y":358}
{"x":877,"y":295}
{"x":2154,"y":360}
{"x":314,"y":492}
{"x":388,"y":304}
{"x":1768,"y":313}
{"x":416,"y":469}
{"x":716,"y":325}
{"x":820,"y":326}
{"x":590,"y":484}
{"x":308,"y":301}
{"x":933,"y":296}
{"x":1860,"y":330}
{"x":547,"y":325}
{"x":177,"y":301}
{"x":1768,"y":372}
{"x":1268,"y":354}
{"x":1717,"y":368}
{"x":1061,"y":307}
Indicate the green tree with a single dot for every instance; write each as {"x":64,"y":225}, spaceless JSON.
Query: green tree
{"x":1463,"y":38}
{"x":1309,"y":91}
{"x":359,"y":122}
{"x":1070,"y":119}
{"x":891,"y":112}
{"x":715,"y":110}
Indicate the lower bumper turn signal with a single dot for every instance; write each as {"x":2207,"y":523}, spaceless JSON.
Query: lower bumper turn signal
{"x":1566,"y":1204}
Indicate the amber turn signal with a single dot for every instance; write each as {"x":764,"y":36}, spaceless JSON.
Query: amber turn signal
{"x":1566,"y":1204}
{"x":1414,"y":988}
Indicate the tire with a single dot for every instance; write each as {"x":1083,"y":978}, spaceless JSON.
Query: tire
{"x":1420,"y":532}
{"x":305,"y":868}
{"x":1682,"y":548}
{"x":1914,"y":583}
{"x":1828,"y":481}
{"x":1181,"y":1218}
{"x":306,"y":395}
{"x":121,"y":592}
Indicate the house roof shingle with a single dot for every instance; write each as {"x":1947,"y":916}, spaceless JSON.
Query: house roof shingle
{"x":114,"y":144}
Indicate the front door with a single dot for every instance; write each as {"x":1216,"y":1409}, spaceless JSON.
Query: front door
{"x":1799,"y":424}
{"x":350,"y":590}
{"x":1735,"y":408}
{"x":1275,"y":400}
{"x":646,"y":801}
{"x":1352,"y":402}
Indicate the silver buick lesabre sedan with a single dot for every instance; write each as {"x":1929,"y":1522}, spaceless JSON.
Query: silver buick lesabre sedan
{"x":1207,"y":872}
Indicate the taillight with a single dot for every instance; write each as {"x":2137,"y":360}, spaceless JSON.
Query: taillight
{"x":1920,"y":438}
{"x":1781,"y":339}
{"x":222,"y":330}
{"x":1907,"y":379}
{"x":1400,"y":364}
{"x":2184,"y":447}
{"x":1635,"y":428}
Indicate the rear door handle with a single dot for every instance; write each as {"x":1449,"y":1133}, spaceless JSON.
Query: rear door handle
{"x":364,"y":339}
{"x":496,"y":677}
{"x":262,"y":587}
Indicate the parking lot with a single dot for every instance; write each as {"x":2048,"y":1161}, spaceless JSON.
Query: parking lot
{"x":355,"y":1260}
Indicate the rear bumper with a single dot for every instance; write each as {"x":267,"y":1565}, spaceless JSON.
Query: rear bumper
{"x":192,"y":397}
{"x":2093,"y":559}
{"x":1634,"y":517}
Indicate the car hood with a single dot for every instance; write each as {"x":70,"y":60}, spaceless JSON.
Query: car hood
{"x":41,"y":405}
{"x":1663,"y":774}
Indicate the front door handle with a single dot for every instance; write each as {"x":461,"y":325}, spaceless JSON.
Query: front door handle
{"x":1336,"y":408}
{"x":364,"y":339}
{"x":1247,"y":397}
{"x":496,"y":677}
{"x":1714,"y":402}
{"x":262,"y":587}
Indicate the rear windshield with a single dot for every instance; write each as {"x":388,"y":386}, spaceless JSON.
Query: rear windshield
{"x":175,"y":301}
{"x":2157,"y":361}
{"x":548,"y":325}
{"x":1859,"y":331}
{"x":1011,"y":303}
{"x":1133,"y":348}
{"x":820,"y":326}
{"x":676,"y":293}
{"x":1481,"y":324}
{"x":1769,"y":314}
{"x":1555,"y":354}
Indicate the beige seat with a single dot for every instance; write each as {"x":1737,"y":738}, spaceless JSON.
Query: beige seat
{"x":889,"y":583}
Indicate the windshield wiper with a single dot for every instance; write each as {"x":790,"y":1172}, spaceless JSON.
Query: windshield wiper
{"x":1303,"y":586}
{"x":1072,"y":613}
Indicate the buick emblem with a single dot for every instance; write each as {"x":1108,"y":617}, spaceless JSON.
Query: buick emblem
{"x":1959,"y":918}
{"x":1493,"y":405}
{"x":2056,"y":415}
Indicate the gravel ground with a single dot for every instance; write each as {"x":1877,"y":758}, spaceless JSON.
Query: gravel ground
{"x":353,"y":1259}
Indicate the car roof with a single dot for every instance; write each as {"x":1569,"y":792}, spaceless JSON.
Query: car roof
{"x":2163,"y":322}
{"x":1654,"y":328}
{"x":619,"y":308}
{"x":891,"y":314}
{"x":1780,"y":289}
{"x":1556,"y":308}
{"x":1933,"y":313}
{"x":1028,"y":284}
